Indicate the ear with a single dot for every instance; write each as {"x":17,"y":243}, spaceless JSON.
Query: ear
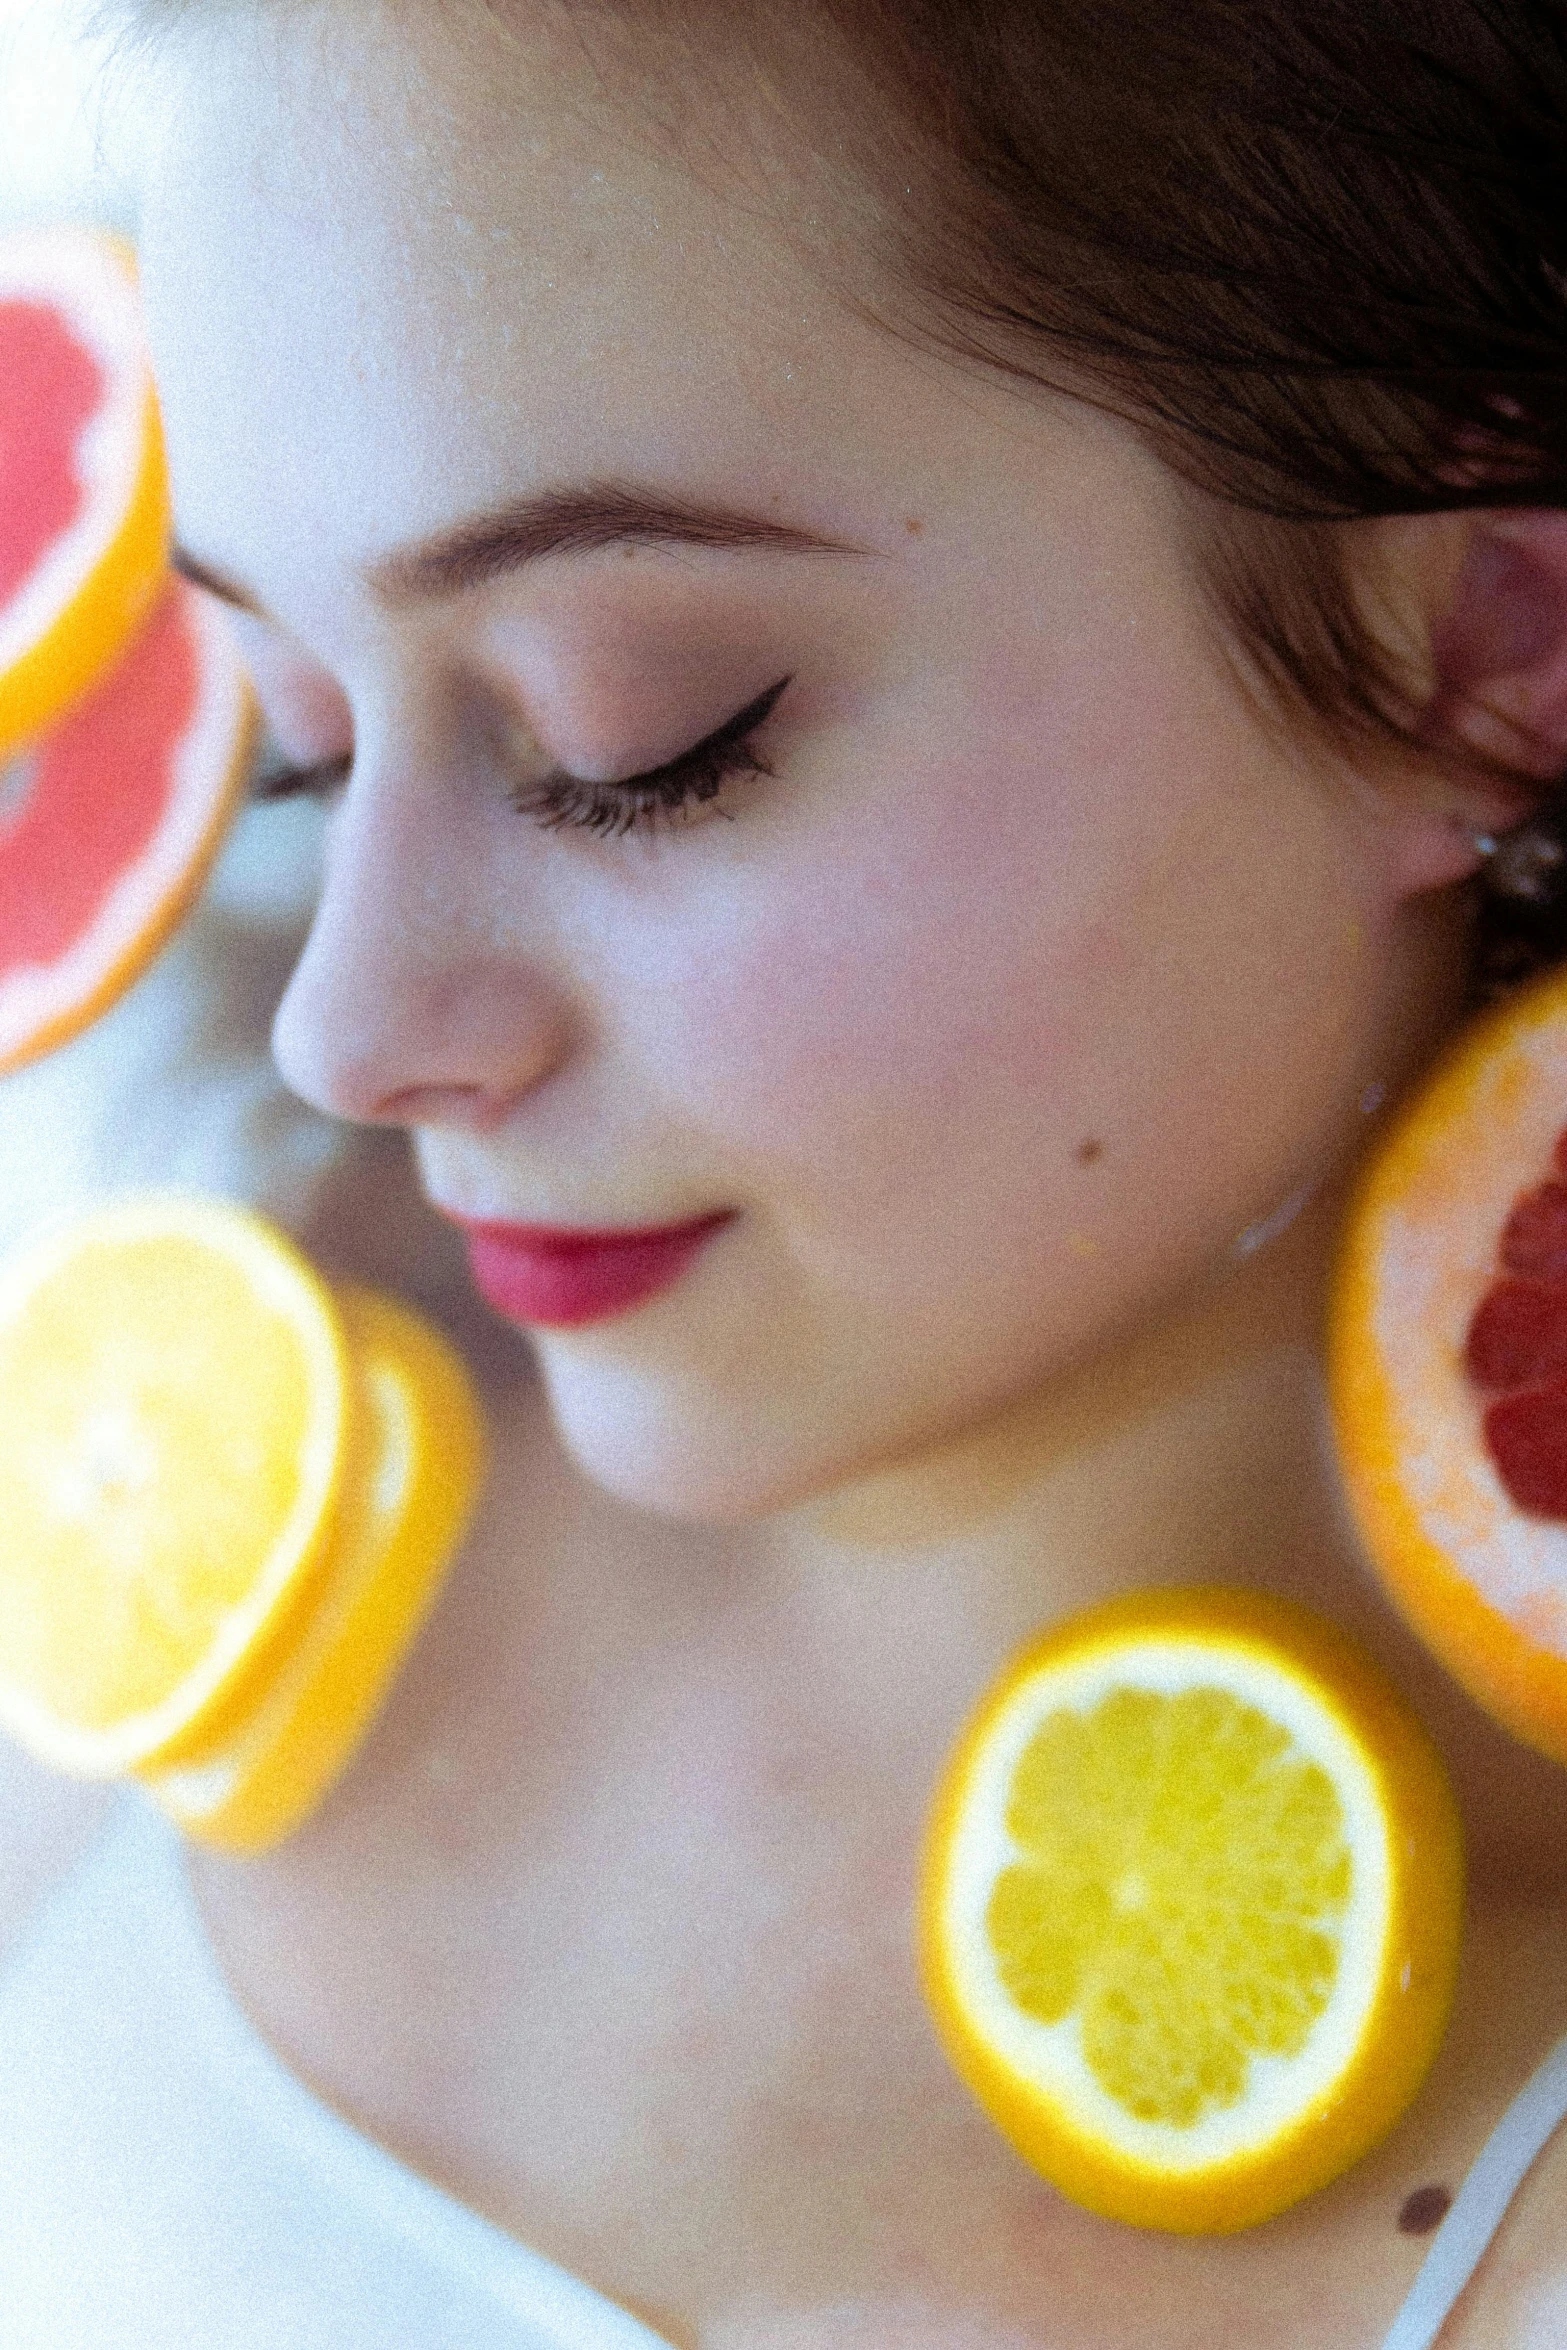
{"x":1500,"y":651}
{"x":1478,"y":602}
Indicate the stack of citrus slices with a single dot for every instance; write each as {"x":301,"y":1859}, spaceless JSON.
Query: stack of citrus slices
{"x":1191,"y":1907}
{"x":127,"y":722}
{"x":230,"y":1494}
{"x":231,"y":1499}
{"x":1448,"y":1362}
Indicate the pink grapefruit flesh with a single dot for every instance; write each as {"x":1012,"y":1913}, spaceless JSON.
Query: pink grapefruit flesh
{"x":109,"y":823}
{"x":84,"y":507}
{"x":1448,"y":1361}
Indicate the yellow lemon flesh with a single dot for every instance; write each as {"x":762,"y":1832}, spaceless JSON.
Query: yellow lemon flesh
{"x":401,"y":1523}
{"x":177,"y":1420}
{"x":1191,"y":1907}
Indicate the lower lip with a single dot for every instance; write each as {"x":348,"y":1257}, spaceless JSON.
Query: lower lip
{"x":561,"y":1280}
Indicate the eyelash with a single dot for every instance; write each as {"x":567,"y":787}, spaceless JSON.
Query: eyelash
{"x":614,"y":809}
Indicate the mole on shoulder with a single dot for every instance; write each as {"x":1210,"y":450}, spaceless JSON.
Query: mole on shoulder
{"x":1424,"y":2210}
{"x":1088,"y":1152}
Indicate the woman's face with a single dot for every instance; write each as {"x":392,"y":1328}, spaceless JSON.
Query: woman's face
{"x":1036,"y":970}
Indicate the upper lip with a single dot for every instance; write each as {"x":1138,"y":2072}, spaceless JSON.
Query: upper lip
{"x":567,"y":1238}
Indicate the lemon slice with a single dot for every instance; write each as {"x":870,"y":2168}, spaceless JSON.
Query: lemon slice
{"x":1191,"y":1906}
{"x":259,"y":1777}
{"x":177,"y":1417}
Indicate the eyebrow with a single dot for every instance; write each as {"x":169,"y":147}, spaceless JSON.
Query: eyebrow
{"x":524,"y":530}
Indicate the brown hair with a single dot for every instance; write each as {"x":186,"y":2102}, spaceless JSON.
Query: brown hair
{"x":1314,"y":250}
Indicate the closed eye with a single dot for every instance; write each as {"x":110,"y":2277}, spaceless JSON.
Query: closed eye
{"x":697,"y":775}
{"x":612,"y":808}
{"x":293,"y":783}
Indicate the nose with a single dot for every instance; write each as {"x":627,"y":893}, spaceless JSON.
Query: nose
{"x":418,"y":999}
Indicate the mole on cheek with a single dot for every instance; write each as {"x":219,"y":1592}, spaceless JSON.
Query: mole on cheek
{"x":1087,"y":1152}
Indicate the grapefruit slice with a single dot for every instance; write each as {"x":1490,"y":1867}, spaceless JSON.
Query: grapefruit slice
{"x":110,"y":822}
{"x":1448,"y":1362}
{"x":1191,"y":1907}
{"x":178,"y":1421}
{"x":84,"y":496}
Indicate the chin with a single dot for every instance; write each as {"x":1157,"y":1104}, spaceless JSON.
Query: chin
{"x":673,"y":1455}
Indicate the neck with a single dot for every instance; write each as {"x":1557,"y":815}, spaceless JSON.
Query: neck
{"x":1166,"y":1458}
{"x":1195,"y":1447}
{"x":1198,"y":1451}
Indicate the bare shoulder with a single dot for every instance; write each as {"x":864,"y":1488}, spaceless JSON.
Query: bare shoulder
{"x":45,"y":1822}
{"x":1517,"y":2298}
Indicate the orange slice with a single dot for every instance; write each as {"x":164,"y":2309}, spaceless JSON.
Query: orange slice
{"x":1445,"y":1363}
{"x":403,"y":1519}
{"x":177,"y":1422}
{"x":109,"y":824}
{"x":1190,"y":1909}
{"x":84,"y":497}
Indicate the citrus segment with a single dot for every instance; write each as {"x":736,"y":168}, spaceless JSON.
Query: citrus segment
{"x":1534,"y":1237}
{"x":1190,"y":1907}
{"x":176,"y":1423}
{"x":1445,"y":1373}
{"x":84,"y":500}
{"x":1526,"y":1436}
{"x":1518,"y":1337}
{"x":401,"y":1524}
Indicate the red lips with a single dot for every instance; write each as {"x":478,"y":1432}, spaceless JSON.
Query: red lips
{"x":560,"y":1279}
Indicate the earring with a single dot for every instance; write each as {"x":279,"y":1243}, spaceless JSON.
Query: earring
{"x":1522,"y":901}
{"x":1527,"y":866}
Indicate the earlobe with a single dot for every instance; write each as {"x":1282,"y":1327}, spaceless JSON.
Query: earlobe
{"x":1435,"y":850}
{"x":1493,"y":676}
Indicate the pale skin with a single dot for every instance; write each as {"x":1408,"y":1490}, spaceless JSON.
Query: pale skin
{"x":1041,"y":971}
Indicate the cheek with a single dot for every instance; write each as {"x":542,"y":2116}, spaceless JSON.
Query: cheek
{"x":912,"y":1009}
{"x":1034,"y":1008}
